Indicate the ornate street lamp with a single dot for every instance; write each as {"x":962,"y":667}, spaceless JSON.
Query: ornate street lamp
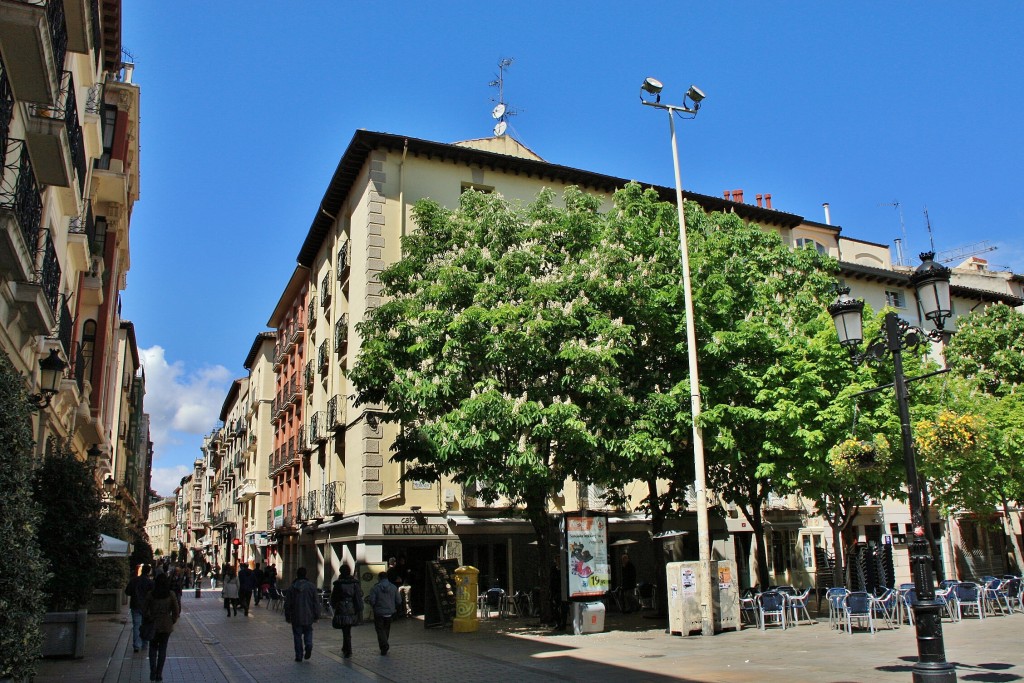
{"x":650,"y":96}
{"x":51,"y":372}
{"x":932,"y":283}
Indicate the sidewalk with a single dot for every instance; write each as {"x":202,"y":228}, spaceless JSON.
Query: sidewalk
{"x":208,"y":646}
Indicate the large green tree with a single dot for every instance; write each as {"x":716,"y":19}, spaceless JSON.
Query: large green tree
{"x":24,"y":570}
{"x":758,"y":304}
{"x":488,"y":351}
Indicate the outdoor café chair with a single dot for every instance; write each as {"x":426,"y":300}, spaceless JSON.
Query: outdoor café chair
{"x":1011,"y":589}
{"x":835,"y":597}
{"x":909,"y":601}
{"x":995,"y":598}
{"x":772,"y":605}
{"x":494,"y":600}
{"x":749,"y":608}
{"x":857,"y":607}
{"x":947,"y":598}
{"x":969,"y":597}
{"x":798,"y":602}
{"x":887,"y":604}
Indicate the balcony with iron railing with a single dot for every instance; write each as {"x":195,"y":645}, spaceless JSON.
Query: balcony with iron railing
{"x":341,"y":335}
{"x":311,"y":318}
{"x":336,"y":409}
{"x":247,"y":490}
{"x":39,"y":30}
{"x":295,"y":334}
{"x":304,"y":443}
{"x":82,"y":239}
{"x":318,"y":432}
{"x":6,"y":106}
{"x":309,"y":375}
{"x":54,"y":137}
{"x":21,"y":212}
{"x":343,"y":259}
{"x":323,"y":357}
{"x":325,"y":291}
{"x":38,"y":298}
{"x":294,"y":390}
{"x":334,"y":499}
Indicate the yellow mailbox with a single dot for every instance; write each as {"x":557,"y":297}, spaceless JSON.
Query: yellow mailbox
{"x":466,"y":584}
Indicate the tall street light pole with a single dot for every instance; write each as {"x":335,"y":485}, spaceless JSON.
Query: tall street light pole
{"x":932,"y":283}
{"x":651,"y":88}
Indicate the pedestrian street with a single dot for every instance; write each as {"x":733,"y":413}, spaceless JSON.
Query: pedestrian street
{"x":208,"y":646}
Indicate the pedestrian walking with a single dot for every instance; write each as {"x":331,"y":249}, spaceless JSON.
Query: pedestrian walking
{"x":386,"y":602}
{"x":301,"y":609}
{"x":163,"y":609}
{"x":347,"y":601}
{"x":230,"y":591}
{"x":177,"y":582}
{"x":628,"y":584}
{"x":258,"y":575}
{"x":136,"y":590}
{"x":246,"y":585}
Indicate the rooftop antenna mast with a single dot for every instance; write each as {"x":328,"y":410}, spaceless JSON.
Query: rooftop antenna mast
{"x":502,"y":111}
{"x":903,"y":245}
{"x":928,"y":224}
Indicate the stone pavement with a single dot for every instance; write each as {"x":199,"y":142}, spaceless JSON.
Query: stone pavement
{"x":208,"y":646}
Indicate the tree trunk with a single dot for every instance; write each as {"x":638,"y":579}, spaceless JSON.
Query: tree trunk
{"x":1008,"y":526}
{"x":537,"y":513}
{"x":940,"y":572}
{"x":657,"y":547}
{"x":756,"y":520}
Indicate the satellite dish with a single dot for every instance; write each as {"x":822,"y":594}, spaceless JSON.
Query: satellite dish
{"x":498,"y":111}
{"x":499,"y":129}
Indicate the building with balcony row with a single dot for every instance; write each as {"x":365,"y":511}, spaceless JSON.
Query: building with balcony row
{"x":333,"y":493}
{"x":69,"y":121}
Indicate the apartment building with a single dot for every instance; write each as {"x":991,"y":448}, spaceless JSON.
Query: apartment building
{"x":254,"y":493}
{"x":69,"y":119}
{"x":160,"y":526}
{"x":336,"y":495}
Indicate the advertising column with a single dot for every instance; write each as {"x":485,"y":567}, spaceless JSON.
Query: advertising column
{"x":589,"y":572}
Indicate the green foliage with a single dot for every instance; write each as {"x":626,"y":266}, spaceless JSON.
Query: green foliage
{"x":21,"y":600}
{"x":851,"y":458}
{"x":68,"y":534}
{"x":988,"y":349}
{"x":488,"y":350}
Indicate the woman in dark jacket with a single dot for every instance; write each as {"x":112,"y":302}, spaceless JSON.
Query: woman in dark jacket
{"x":347,"y":602}
{"x":162,"y":608}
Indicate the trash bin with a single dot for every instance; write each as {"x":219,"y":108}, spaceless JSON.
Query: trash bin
{"x":588,"y":617}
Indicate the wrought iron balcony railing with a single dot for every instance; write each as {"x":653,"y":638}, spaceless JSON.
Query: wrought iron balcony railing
{"x":336,"y":413}
{"x":19,"y":192}
{"x":341,"y":335}
{"x":334,"y":498}
{"x":318,"y":427}
{"x":323,"y":356}
{"x":6,"y":106}
{"x":325,"y":291}
{"x":48,"y":275}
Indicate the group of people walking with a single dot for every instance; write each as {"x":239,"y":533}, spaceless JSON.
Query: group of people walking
{"x":155,"y":605}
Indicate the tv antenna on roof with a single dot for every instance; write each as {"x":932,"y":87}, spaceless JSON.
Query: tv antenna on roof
{"x":502,"y":111}
{"x":902,"y":246}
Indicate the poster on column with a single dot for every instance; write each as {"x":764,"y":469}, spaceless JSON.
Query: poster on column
{"x":586,"y":547}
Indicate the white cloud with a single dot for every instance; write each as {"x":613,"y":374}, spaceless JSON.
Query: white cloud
{"x":181,"y":402}
{"x":166,"y":479}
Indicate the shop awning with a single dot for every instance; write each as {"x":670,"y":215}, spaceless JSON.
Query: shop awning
{"x":114,"y":547}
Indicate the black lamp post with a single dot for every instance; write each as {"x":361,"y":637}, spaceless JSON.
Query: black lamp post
{"x":51,"y":372}
{"x":931,"y":281}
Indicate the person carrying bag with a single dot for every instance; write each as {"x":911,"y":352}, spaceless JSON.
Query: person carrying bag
{"x":347,"y":602}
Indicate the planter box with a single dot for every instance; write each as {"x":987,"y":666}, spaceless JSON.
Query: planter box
{"x":105,"y":601}
{"x":64,"y":634}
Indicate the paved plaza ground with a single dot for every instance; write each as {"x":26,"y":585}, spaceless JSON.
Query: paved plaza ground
{"x":207,"y":646}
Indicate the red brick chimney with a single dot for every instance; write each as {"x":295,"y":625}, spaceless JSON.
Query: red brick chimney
{"x":758,"y":200}
{"x":767,"y":201}
{"x":727,"y":195}
{"x":737,"y":196}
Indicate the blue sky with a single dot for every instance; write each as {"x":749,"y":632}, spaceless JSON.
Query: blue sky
{"x":247,"y":108}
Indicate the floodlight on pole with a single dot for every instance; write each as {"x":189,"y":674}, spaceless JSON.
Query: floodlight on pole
{"x":653,"y":86}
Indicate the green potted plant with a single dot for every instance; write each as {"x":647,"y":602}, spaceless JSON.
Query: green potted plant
{"x":69,"y":537}
{"x":21,"y":597}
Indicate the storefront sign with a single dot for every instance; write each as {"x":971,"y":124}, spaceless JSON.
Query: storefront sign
{"x":414,"y":529}
{"x":279,"y":516}
{"x":586,"y":543}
